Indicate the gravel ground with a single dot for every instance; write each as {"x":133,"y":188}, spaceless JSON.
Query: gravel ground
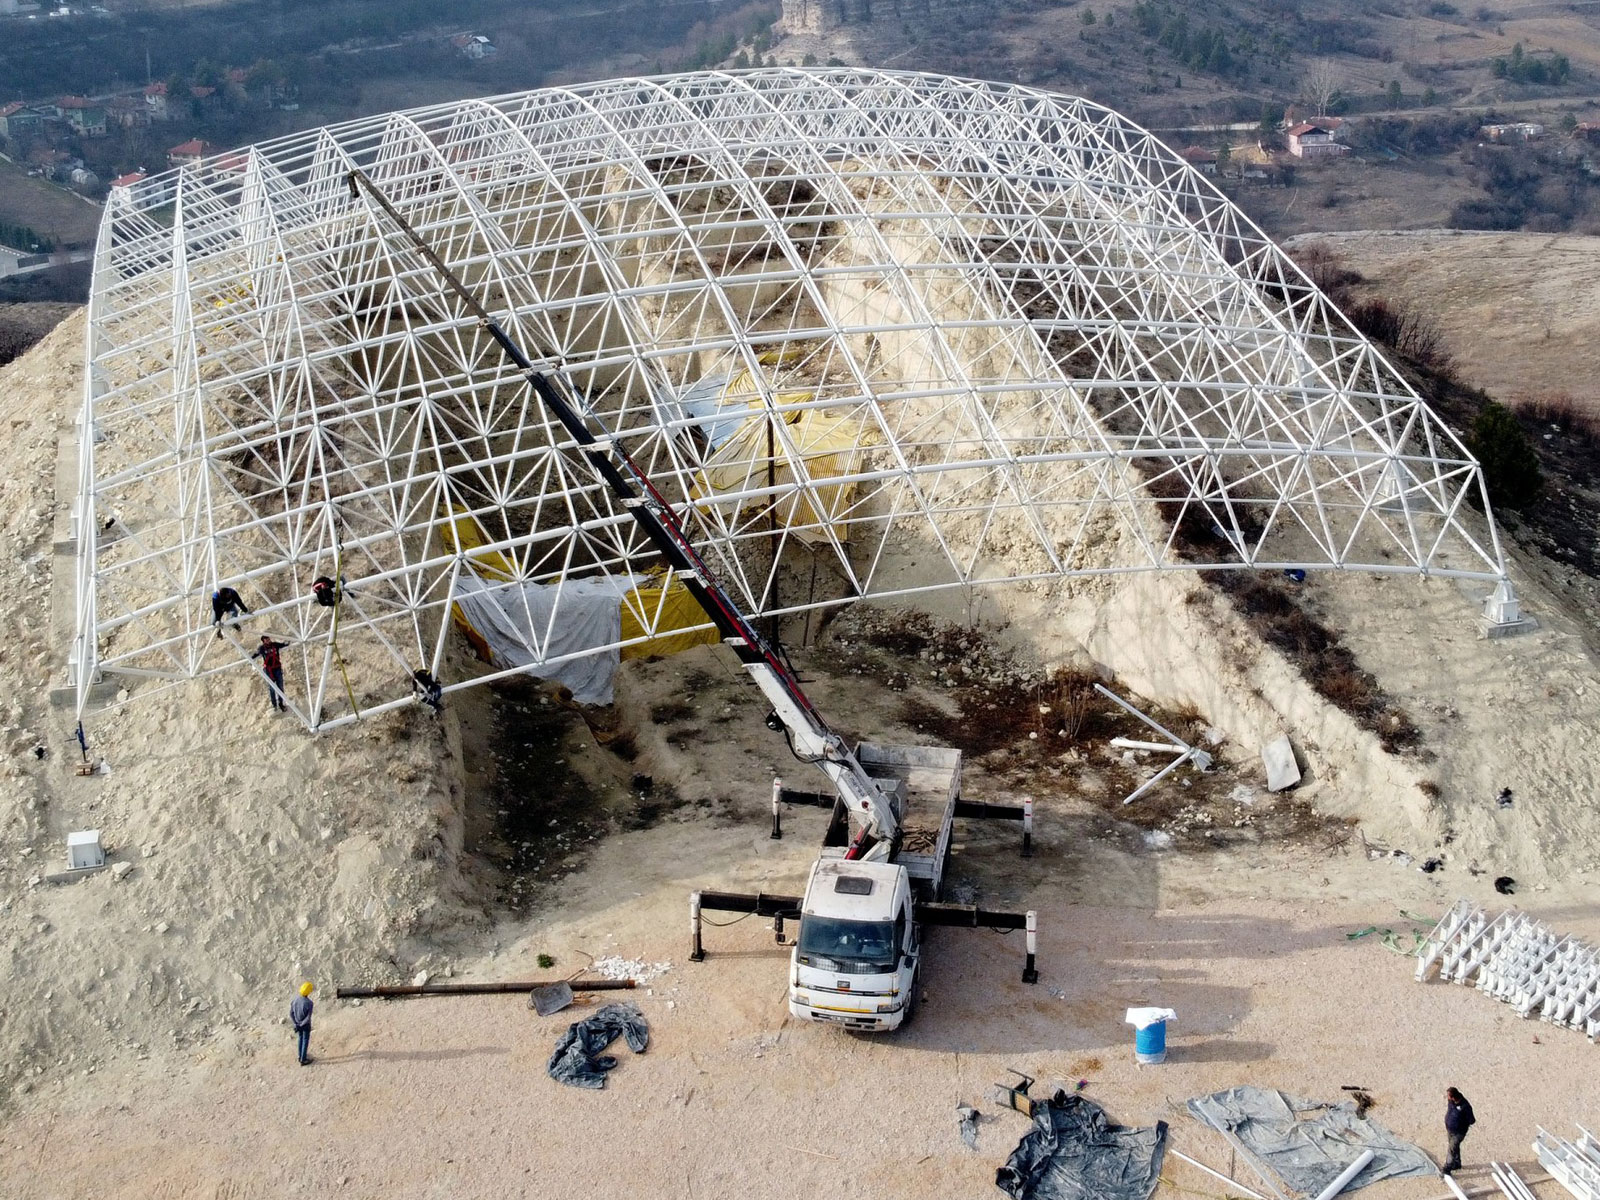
{"x":448,"y":1097}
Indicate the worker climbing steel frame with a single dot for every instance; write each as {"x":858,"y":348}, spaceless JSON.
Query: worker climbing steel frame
{"x":1051,"y":336}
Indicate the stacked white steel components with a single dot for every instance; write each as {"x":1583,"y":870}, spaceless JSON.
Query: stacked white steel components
{"x":1509,"y":1182}
{"x":1575,"y":1165}
{"x":1518,"y":960}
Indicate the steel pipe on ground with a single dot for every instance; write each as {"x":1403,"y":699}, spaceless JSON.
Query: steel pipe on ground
{"x":477,"y":989}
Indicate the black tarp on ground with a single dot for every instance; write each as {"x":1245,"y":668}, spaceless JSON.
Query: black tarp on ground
{"x":578,"y":1059}
{"x":1074,"y":1153}
{"x":1307,"y":1143}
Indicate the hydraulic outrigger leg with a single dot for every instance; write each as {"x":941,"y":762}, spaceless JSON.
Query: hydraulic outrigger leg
{"x":787,"y":908}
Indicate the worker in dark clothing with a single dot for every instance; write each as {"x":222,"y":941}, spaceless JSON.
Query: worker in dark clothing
{"x":272,"y":667}
{"x":1458,"y":1119}
{"x":427,"y":689}
{"x":225,"y":602}
{"x":325,"y":591}
{"x":300,"y":1017}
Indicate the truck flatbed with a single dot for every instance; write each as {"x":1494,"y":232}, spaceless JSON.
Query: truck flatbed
{"x":926,"y":782}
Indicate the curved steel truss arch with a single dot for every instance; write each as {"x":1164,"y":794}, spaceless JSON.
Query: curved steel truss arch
{"x":898,"y":331}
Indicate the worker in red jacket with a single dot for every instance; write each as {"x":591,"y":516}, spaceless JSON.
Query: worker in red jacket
{"x":272,"y":668}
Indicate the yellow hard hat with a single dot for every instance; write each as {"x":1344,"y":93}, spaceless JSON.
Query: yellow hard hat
{"x":305,"y":988}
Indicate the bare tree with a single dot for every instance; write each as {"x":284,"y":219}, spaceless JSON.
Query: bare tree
{"x":1320,"y":84}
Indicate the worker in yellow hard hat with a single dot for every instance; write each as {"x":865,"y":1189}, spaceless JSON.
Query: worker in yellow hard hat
{"x":300,"y":1018}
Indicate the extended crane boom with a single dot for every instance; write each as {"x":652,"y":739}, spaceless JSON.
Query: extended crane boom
{"x":810,"y":736}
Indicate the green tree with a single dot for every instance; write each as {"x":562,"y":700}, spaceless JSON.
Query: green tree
{"x":1510,"y":467}
{"x":1088,"y":16}
{"x":1394,"y":93}
{"x":1429,"y":98}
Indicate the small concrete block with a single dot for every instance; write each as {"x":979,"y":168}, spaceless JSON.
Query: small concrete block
{"x":1282,"y":770}
{"x":120,"y":870}
{"x":1500,"y":629}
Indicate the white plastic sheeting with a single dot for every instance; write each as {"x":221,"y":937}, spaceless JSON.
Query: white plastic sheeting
{"x":567,"y":633}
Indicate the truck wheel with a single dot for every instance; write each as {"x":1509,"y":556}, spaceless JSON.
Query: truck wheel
{"x":914,"y":999}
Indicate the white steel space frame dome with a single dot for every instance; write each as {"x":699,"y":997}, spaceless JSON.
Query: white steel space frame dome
{"x":871,"y":333}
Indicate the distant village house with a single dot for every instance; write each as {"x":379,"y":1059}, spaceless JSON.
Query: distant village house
{"x":1310,"y":141}
{"x":155,"y":99}
{"x":18,"y":121}
{"x":1201,"y":159}
{"x":188,"y":154}
{"x":87,"y":117}
{"x":1513,"y":131}
{"x":141,"y":188}
{"x":474,"y":45}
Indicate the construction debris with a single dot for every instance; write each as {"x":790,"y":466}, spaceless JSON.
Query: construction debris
{"x":1015,"y":1095}
{"x":616,"y":967}
{"x":967,"y":1119}
{"x":1175,"y":745}
{"x":1517,"y":959}
{"x":547,"y":1001}
{"x":577,"y":1059}
{"x":1282,"y":770}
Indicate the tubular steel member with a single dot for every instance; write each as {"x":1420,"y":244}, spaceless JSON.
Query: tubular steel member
{"x":958,"y":916}
{"x":782,"y":795}
{"x":759,"y":903}
{"x":984,"y":811}
{"x":1030,"y":973}
{"x":970,"y":916}
{"x":397,"y":991}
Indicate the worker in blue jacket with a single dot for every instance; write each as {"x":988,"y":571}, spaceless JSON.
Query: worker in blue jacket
{"x":1458,"y":1119}
{"x":300,"y":1017}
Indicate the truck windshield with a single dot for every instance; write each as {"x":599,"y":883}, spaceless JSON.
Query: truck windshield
{"x":849,"y":947}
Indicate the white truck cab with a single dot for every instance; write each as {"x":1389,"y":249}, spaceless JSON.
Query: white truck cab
{"x":857,"y":955}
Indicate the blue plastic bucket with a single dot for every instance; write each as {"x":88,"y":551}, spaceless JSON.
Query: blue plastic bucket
{"x":1150,"y":1043}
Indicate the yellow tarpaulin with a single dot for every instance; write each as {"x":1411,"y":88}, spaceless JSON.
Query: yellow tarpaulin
{"x":672,"y":608}
{"x":464,"y":533}
{"x":824,"y":441}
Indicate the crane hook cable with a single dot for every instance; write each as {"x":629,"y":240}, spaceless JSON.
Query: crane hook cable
{"x":333,"y":632}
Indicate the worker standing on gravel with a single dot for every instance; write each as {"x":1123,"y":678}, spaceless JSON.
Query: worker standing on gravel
{"x":300,"y":1017}
{"x":1458,"y":1119}
{"x":272,"y":668}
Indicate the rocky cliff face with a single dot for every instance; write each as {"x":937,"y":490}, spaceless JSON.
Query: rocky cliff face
{"x":819,"y":16}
